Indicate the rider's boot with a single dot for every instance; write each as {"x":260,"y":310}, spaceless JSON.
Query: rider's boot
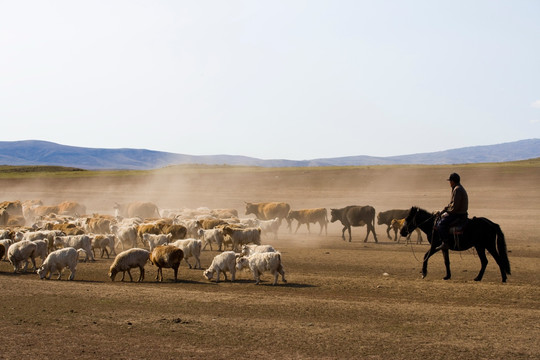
{"x":444,"y":245}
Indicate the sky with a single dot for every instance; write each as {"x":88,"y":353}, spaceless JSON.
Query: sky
{"x":286,"y":79}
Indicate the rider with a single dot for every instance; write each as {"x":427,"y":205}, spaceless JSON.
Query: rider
{"x":456,"y":209}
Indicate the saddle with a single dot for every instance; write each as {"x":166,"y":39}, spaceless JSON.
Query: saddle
{"x":457,"y":226}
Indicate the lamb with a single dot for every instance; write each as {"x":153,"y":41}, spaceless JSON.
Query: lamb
{"x":166,"y":256}
{"x":250,"y":249}
{"x":210,"y":236}
{"x":76,"y":241}
{"x":156,"y":240}
{"x":101,"y":242}
{"x":21,"y":251}
{"x":258,"y":263}
{"x":191,"y":248}
{"x":57,"y":261}
{"x":226,"y":261}
{"x":127,"y":260}
{"x":243,"y":236}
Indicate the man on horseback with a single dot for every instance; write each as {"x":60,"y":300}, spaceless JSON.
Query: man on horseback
{"x":455,"y":210}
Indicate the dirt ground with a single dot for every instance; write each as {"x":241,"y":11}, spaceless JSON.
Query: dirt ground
{"x":343,"y":300}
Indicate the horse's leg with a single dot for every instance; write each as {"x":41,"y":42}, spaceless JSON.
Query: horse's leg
{"x":493,"y":251}
{"x":483,"y":260}
{"x":428,"y":254}
{"x":447,"y":264}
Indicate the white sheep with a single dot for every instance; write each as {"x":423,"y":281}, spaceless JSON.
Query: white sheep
{"x":22,"y":251}
{"x":224,"y":262}
{"x":259,"y":263}
{"x":58,"y":260}
{"x":127,"y":260}
{"x":250,"y":249}
{"x":191,"y":248}
{"x":156,"y":240}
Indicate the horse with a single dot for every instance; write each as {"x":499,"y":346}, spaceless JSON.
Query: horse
{"x":478,"y":232}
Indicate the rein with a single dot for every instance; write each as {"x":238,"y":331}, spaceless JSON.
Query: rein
{"x":417,"y":226}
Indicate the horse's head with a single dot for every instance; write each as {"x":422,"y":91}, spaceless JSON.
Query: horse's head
{"x":417,"y":218}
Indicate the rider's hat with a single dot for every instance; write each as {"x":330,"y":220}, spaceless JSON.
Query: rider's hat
{"x":454,"y":177}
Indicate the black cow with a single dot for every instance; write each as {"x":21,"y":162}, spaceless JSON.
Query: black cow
{"x":355,"y":216}
{"x":386,"y":217}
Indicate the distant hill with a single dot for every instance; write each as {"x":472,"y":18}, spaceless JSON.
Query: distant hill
{"x":35,"y":152}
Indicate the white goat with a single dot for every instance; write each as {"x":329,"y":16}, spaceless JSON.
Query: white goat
{"x":76,"y":241}
{"x":259,"y":263}
{"x":58,"y":260}
{"x":210,"y":236}
{"x":224,"y":262}
{"x":250,"y":249}
{"x":156,"y":240}
{"x":191,"y":248}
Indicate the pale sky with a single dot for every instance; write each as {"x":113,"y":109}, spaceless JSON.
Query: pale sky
{"x":271,"y":79}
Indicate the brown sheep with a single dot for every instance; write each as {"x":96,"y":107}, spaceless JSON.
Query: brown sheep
{"x":166,"y":256}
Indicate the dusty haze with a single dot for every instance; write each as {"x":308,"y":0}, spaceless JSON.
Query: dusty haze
{"x":343,"y":300}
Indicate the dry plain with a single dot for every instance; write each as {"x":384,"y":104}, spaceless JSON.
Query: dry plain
{"x":343,"y":300}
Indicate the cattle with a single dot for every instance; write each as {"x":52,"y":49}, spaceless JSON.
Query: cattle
{"x":269,"y":211}
{"x":143,"y":210}
{"x":354,"y":215}
{"x":65,"y":208}
{"x":386,"y":217}
{"x":307,"y":216}
{"x":243,"y":236}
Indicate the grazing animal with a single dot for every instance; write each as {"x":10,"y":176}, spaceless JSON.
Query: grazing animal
{"x":22,"y":251}
{"x":177,"y":231}
{"x":166,"y":256}
{"x":269,"y":210}
{"x":259,"y":263}
{"x":386,"y":217}
{"x":243,"y":236}
{"x":57,"y":261}
{"x":191,"y":248}
{"x":143,"y":210}
{"x":307,"y":216}
{"x":6,"y":243}
{"x":97,"y":225}
{"x":355,"y":216}
{"x":480,"y":233}
{"x":397,"y":224}
{"x":127,"y":260}
{"x":222,"y":263}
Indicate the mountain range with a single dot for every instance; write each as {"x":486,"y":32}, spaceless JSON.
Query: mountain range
{"x":36,"y":152}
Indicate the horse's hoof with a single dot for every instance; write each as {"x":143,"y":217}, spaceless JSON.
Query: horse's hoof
{"x":446,"y":278}
{"x":477,"y":279}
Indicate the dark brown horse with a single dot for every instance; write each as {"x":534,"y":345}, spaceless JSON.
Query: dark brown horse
{"x":480,"y":233}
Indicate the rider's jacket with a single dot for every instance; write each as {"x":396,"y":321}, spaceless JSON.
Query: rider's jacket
{"x":459,"y":204}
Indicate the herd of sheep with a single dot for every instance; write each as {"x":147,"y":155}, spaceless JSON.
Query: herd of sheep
{"x":61,"y":241}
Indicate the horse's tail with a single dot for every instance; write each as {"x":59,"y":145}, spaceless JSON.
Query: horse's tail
{"x":501,"y":248}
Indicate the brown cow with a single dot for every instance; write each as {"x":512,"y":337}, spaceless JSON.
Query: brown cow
{"x":355,"y":216}
{"x":98,"y":225}
{"x":269,"y":211}
{"x":307,"y":216}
